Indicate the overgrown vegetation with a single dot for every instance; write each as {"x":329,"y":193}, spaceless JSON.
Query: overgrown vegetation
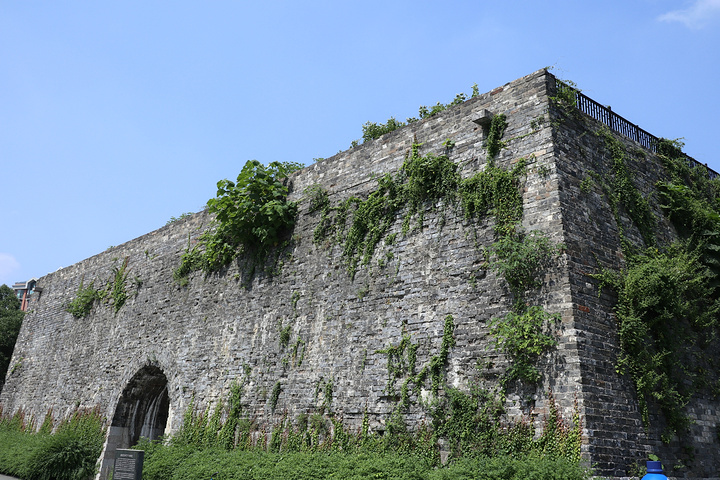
{"x":372,"y":130}
{"x":668,"y":298}
{"x":84,"y":300}
{"x":182,"y":216}
{"x":494,"y":140}
{"x":179,"y":463}
{"x":114,"y":293}
{"x":521,"y":334}
{"x":422,"y":180}
{"x":565,"y":99}
{"x":118,"y":291}
{"x":68,"y":449}
{"x":401,"y":362}
{"x":433,"y":180}
{"x":252,"y":216}
{"x":320,"y":446}
{"x":623,"y":194}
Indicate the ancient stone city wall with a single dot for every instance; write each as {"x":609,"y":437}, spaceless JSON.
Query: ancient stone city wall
{"x":196,"y":340}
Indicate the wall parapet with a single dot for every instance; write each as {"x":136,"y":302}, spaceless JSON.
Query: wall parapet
{"x":619,"y":124}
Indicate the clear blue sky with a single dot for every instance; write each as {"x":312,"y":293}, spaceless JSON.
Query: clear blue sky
{"x":117,"y":116}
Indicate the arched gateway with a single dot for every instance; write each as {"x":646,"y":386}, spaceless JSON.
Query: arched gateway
{"x":142,"y":411}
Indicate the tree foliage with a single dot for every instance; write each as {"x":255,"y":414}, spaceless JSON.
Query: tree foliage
{"x":10,"y":321}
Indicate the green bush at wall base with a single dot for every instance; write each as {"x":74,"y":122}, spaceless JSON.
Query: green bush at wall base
{"x":177,"y":463}
{"x":70,"y":453}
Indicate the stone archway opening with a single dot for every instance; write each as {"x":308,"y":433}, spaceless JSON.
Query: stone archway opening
{"x":142,"y":411}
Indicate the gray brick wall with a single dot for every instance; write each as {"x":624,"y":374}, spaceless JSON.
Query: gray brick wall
{"x":219,"y":329}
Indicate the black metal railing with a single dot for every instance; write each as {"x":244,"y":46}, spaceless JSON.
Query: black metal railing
{"x":617,"y":123}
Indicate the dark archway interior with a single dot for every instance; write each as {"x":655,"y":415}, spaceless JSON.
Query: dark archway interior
{"x":143,"y":407}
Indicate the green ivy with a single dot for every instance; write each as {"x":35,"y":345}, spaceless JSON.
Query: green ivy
{"x":317,"y":197}
{"x":328,"y":393}
{"x":118,"y":291}
{"x":422,"y":180}
{"x":623,"y":193}
{"x":275,"y":395}
{"x":565,"y":99}
{"x":665,"y":313}
{"x":401,"y":359}
{"x":495,"y":191}
{"x":494,"y":143}
{"x":522,"y":336}
{"x":285,"y":335}
{"x":520,"y":257}
{"x":472,"y":424}
{"x":428,"y":179}
{"x":668,"y":296}
{"x":115,"y":292}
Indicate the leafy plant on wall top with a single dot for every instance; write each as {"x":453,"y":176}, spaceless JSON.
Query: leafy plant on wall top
{"x":372,"y":130}
{"x":251,"y":216}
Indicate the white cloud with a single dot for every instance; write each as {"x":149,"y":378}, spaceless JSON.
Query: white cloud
{"x":8,"y":265}
{"x":696,"y":16}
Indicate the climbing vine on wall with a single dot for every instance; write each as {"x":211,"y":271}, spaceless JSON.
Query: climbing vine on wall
{"x":668,"y":298}
{"x":422,"y":180}
{"x":624,"y":195}
{"x":517,"y":255}
{"x":522,"y":335}
{"x":494,"y":139}
{"x":115,"y":293}
{"x":470,"y":423}
{"x":495,"y":191}
{"x":667,"y":302}
{"x":81,"y":305}
{"x":401,"y":362}
{"x":523,"y":332}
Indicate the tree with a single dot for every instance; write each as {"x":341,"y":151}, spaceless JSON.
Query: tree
{"x":10,"y":320}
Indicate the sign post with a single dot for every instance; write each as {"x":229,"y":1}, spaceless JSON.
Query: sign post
{"x":128,"y":464}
